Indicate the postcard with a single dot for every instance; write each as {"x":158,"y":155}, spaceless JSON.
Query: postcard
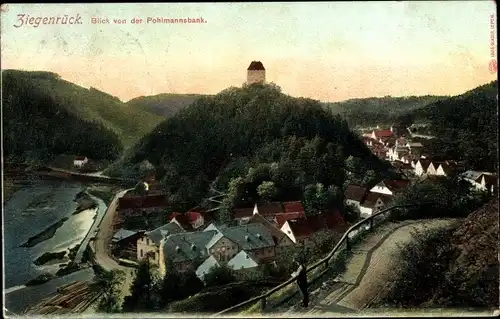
{"x":250,"y":159}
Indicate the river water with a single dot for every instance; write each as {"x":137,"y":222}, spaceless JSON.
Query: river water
{"x":28,"y":212}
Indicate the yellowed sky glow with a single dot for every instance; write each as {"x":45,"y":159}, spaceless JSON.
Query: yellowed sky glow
{"x":327,"y":51}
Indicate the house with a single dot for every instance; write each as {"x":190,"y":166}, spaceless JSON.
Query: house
{"x":444,"y":169}
{"x":474,"y":177}
{"x":390,"y":187}
{"x":253,"y":238}
{"x":354,"y":194}
{"x":421,"y":167}
{"x":270,"y":210}
{"x":282,"y":242}
{"x":136,"y":203}
{"x":373,"y":203}
{"x":299,"y":230}
{"x":190,"y":220}
{"x":124,"y":243}
{"x":185,"y":250}
{"x":151,"y":240}
{"x":379,"y":134}
{"x":80,"y":161}
{"x":243,"y":261}
{"x":489,"y":182}
{"x":291,"y":210}
{"x":206,"y":267}
{"x":242,"y":215}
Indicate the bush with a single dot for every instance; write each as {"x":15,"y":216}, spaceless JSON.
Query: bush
{"x":219,"y":275}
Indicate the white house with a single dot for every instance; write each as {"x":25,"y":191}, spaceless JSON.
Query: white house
{"x":421,"y":167}
{"x":242,"y":261}
{"x":206,"y":267}
{"x":390,"y":187}
{"x":432,"y":168}
{"x":79,"y":161}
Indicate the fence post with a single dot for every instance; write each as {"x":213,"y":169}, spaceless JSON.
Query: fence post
{"x":371,"y":223}
{"x":326,"y":264}
{"x":347,"y":244}
{"x":263,"y":304}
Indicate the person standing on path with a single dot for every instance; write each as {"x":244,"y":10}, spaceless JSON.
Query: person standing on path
{"x":302,"y":283}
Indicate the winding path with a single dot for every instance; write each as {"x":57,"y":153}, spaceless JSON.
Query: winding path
{"x":103,"y":240}
{"x":369,"y":271}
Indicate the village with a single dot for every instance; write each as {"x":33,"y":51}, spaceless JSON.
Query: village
{"x":259,"y":235}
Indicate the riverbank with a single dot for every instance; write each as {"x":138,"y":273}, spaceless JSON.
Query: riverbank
{"x":84,"y":202}
{"x":44,"y":235}
{"x":10,"y":186}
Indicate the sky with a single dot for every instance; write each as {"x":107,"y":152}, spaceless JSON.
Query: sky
{"x":326,"y":51}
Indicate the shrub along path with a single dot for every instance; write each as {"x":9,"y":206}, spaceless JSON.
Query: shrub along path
{"x":369,"y":269}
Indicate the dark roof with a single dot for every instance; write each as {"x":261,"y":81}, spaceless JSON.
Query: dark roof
{"x":156,"y":235}
{"x":249,"y":237}
{"x":355,"y":192}
{"x":123,"y":234}
{"x":150,"y":200}
{"x":269,"y":209}
{"x":256,"y":65}
{"x":259,"y":219}
{"x":396,"y":185}
{"x":306,"y":226}
{"x":490,"y":179}
{"x":80,"y":158}
{"x":424,"y":163}
{"x":243,"y":212}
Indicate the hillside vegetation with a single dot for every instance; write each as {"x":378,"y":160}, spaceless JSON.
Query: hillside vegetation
{"x":92,"y":105}
{"x":37,"y":126}
{"x":466,"y":127}
{"x":379,"y":110}
{"x":451,"y":268}
{"x":166,"y":104}
{"x":254,"y":143}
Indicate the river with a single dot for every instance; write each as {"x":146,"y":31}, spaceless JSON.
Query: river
{"x":28,"y":212}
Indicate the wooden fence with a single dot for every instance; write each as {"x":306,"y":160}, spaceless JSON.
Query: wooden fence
{"x":345,"y":242}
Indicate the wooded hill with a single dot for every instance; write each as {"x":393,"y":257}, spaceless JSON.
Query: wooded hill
{"x":128,"y":122}
{"x":254,"y":143}
{"x":379,"y":110}
{"x":466,"y":127}
{"x":39,"y":123}
{"x":166,"y":104}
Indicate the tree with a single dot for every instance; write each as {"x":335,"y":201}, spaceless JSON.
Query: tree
{"x":142,"y":287}
{"x":267,"y":190}
{"x":219,"y":276}
{"x":109,"y":285}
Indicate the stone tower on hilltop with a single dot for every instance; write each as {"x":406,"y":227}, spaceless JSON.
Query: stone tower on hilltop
{"x":256,"y":73}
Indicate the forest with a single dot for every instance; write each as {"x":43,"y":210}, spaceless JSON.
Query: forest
{"x":465,"y":126}
{"x":92,"y":105}
{"x":36,"y":127}
{"x":253,"y":144}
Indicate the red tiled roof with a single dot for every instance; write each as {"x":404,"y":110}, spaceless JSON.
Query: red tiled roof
{"x":293,"y":207}
{"x":256,"y":65}
{"x":192,"y":216}
{"x":282,"y":218}
{"x":383,"y":133}
{"x":275,"y":232}
{"x":355,"y":192}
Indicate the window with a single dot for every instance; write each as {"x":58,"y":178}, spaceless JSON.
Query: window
{"x":153,"y":255}
{"x":142,"y":254}
{"x":147,"y":241}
